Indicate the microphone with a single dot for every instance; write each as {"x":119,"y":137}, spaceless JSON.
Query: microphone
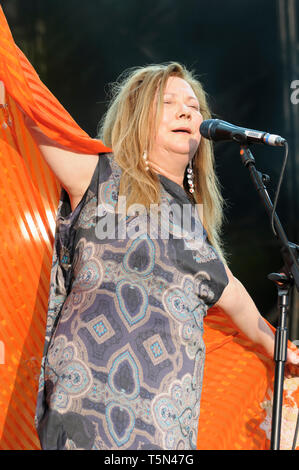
{"x":217,"y":130}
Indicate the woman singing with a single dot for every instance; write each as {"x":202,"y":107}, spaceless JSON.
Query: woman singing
{"x":131,"y":281}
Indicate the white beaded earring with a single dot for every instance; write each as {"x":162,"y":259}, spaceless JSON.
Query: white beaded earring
{"x":190,"y":178}
{"x":144,"y":156}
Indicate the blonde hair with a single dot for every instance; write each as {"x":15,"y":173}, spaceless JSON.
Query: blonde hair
{"x":128,"y":127}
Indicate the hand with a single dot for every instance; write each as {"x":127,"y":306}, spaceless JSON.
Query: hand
{"x":292,"y":363}
{"x":293,"y":357}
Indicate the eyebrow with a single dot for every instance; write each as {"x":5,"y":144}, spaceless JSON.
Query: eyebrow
{"x":175,"y":94}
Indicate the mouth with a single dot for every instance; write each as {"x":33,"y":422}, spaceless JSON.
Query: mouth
{"x":184,"y":130}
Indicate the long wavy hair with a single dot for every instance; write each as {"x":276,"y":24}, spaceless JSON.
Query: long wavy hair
{"x":128,"y":128}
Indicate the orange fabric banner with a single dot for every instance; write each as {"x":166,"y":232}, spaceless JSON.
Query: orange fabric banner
{"x":236,"y":398}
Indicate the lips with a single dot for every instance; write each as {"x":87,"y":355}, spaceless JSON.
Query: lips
{"x":185,"y":130}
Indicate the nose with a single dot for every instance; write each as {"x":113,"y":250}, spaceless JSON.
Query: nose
{"x":183,"y":111}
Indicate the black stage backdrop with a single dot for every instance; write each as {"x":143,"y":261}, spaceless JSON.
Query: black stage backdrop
{"x":234,"y":46}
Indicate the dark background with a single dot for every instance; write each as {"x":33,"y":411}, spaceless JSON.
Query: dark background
{"x":234,"y":46}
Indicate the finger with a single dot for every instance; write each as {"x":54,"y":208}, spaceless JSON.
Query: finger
{"x":293,"y":357}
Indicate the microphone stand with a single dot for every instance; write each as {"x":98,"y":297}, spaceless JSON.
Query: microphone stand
{"x":284,"y":282}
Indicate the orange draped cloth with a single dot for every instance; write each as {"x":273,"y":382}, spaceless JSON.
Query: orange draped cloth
{"x":237,"y":389}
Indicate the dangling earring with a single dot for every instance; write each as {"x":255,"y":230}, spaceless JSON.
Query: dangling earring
{"x":190,"y":178}
{"x":144,"y":156}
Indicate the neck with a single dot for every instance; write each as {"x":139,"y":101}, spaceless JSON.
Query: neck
{"x":173,"y":177}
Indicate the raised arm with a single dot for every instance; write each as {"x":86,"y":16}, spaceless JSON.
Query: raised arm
{"x":239,"y":306}
{"x":73,"y":170}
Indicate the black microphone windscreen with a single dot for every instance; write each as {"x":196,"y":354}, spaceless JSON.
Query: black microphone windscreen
{"x":207,"y":127}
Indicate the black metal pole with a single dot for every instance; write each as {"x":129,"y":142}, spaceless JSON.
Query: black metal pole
{"x":284,"y":281}
{"x":280,"y":356}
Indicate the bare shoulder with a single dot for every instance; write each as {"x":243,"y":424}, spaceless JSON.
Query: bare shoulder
{"x":227,"y":292}
{"x":73,"y":170}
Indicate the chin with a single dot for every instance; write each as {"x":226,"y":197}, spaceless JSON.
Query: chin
{"x":183,"y":149}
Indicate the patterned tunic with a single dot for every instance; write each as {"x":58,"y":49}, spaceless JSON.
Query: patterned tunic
{"x":124,"y":353}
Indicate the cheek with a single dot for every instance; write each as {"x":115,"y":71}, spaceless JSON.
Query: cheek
{"x":162,"y":132}
{"x":199,"y":121}
{"x":166,"y":118}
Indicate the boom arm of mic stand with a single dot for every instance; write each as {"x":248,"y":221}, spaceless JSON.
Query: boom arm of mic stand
{"x":289,"y":252}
